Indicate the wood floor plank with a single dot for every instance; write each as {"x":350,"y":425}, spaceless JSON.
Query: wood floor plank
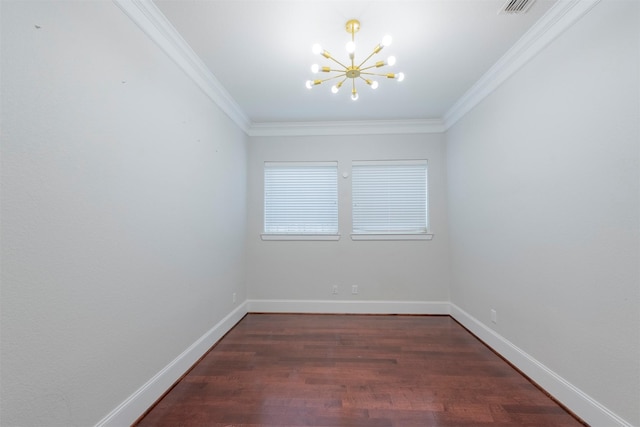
{"x":353,"y":370}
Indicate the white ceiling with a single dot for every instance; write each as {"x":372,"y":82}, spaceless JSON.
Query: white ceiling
{"x":260,"y":51}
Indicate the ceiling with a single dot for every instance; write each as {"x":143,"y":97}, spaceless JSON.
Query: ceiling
{"x":260,"y":52}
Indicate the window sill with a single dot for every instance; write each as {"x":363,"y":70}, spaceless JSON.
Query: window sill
{"x":421,"y":236}
{"x":300,"y":236}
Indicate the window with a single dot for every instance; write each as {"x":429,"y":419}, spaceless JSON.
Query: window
{"x":390,"y":200}
{"x":300,"y":201}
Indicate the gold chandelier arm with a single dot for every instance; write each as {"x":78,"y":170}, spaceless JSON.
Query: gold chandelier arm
{"x":380,"y":74}
{"x":328,"y":56}
{"x":376,"y":50}
{"x":329,"y":70}
{"x":331,"y":78}
{"x":371,"y":66}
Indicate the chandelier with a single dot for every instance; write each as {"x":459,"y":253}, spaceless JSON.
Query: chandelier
{"x":354,"y":71}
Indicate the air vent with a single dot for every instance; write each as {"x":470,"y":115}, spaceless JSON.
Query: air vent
{"x":515,"y":7}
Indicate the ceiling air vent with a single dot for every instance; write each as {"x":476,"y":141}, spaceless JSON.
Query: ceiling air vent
{"x":515,"y":7}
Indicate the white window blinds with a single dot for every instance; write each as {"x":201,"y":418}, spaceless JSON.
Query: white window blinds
{"x":301,"y":198}
{"x":389,"y":197}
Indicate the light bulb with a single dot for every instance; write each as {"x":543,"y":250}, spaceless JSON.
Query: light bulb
{"x":334,"y":89}
{"x":317,"y":49}
{"x":400,"y":77}
{"x":351,"y":47}
{"x":315,"y":68}
{"x":354,"y":96}
{"x":374,"y":85}
{"x":391,"y":61}
{"x":386,"y":40}
{"x":309,"y":84}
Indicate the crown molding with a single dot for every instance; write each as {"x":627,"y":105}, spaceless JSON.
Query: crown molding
{"x":152,"y":22}
{"x":146,"y":15}
{"x":364,"y":127}
{"x":558,"y":18}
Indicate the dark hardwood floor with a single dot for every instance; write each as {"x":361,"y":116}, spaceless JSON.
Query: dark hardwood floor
{"x":352,"y":370}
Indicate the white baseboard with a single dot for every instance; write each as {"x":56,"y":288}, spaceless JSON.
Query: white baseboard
{"x":573,"y":398}
{"x":135,"y":405}
{"x":563,"y":391}
{"x":348,"y":307}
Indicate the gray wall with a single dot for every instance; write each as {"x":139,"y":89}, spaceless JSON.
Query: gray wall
{"x":123,"y":212}
{"x":543,"y":189}
{"x":383,"y":270}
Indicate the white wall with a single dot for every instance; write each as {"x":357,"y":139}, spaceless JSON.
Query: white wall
{"x":123,"y":212}
{"x":383,"y":270}
{"x":543,"y":188}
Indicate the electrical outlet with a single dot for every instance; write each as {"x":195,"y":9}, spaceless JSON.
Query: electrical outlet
{"x":234,"y":297}
{"x":334,"y":291}
{"x":494,"y":316}
{"x":354,"y":289}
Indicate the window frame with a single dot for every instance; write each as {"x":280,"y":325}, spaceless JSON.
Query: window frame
{"x":297,"y":235}
{"x":397,"y":234}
